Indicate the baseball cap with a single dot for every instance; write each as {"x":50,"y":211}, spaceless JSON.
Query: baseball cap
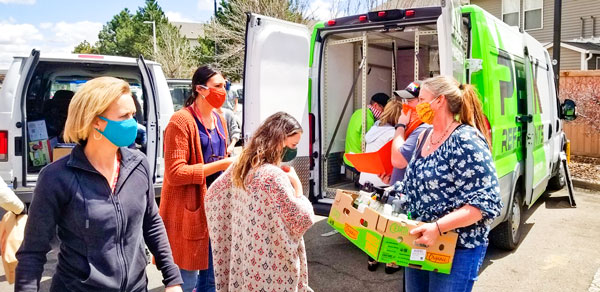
{"x":411,"y":91}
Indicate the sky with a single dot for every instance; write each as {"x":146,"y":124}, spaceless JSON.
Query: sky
{"x":57,"y":26}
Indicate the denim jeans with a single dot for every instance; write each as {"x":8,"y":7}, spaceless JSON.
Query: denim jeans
{"x":199,"y":281}
{"x":463,"y":275}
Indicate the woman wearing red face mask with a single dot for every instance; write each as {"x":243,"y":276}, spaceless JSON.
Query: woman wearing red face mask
{"x":195,"y":148}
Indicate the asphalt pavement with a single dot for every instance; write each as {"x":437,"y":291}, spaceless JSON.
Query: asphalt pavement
{"x":560,"y":251}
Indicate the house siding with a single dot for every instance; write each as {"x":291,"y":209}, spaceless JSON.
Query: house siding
{"x":569,"y":59}
{"x":572,"y":10}
{"x":492,"y":6}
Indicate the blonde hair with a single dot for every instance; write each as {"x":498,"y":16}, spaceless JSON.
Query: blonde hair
{"x":92,"y":99}
{"x":391,"y":113}
{"x":462,"y":101}
{"x":266,"y":145}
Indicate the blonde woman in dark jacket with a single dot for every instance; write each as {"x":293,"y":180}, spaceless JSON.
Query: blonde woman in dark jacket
{"x":100,"y":199}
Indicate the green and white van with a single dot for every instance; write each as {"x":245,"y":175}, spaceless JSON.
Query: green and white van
{"x":311,"y":77}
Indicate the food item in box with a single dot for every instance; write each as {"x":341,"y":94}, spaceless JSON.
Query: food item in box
{"x":39,"y":152}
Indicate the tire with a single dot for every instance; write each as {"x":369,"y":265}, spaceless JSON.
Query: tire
{"x":559,"y":180}
{"x":507,"y":235}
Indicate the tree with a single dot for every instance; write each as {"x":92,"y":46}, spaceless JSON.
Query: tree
{"x":228,"y":30}
{"x":85,"y":48}
{"x":174,"y":52}
{"x":126,"y":34}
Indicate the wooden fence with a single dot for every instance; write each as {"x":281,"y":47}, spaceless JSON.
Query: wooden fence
{"x":583,"y":87}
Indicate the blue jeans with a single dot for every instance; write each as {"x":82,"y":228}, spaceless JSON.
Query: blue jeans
{"x":463,"y":275}
{"x":199,"y":281}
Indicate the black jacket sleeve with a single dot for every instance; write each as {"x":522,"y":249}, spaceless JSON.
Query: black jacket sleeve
{"x":156,"y":239}
{"x":40,"y":229}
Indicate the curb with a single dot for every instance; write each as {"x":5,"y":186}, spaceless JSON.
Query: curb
{"x":584,"y":184}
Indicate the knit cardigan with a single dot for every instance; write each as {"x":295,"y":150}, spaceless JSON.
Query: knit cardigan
{"x":184,"y":186}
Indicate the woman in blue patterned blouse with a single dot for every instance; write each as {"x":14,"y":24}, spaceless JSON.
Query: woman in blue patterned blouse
{"x":451,"y":182}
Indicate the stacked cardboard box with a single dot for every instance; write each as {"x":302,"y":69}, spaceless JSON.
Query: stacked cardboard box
{"x":388,"y":239}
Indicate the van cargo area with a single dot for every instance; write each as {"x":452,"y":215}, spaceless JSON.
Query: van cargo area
{"x":394,"y":58}
{"x":49,"y":93}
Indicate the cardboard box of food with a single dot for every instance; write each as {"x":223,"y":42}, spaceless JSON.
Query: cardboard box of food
{"x":398,"y":246}
{"x":358,"y":227}
{"x":388,"y":239}
{"x":59,"y":152}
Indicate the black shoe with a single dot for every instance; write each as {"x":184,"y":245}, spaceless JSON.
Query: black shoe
{"x":391,"y":268}
{"x":373,"y":265}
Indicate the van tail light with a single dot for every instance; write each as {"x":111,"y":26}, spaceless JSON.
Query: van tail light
{"x":3,"y":146}
{"x":331,"y":22}
{"x":381,"y":13}
{"x":362,"y":18}
{"x":409,"y":13}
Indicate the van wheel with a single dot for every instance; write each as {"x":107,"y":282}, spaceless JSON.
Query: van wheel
{"x":508,"y":234}
{"x":559,"y":180}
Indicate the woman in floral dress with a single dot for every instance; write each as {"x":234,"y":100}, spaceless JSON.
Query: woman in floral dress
{"x":257,"y":214}
{"x":451,"y":182}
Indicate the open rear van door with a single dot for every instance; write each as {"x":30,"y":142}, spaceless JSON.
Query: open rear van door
{"x":152,"y":129}
{"x":276,"y":79}
{"x":537,"y":172}
{"x":452,"y":40}
{"x":20,"y":146}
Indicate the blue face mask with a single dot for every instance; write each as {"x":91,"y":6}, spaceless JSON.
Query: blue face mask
{"x":120,"y":133}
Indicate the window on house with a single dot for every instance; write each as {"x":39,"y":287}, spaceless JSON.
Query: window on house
{"x":597,"y":63}
{"x":533,"y":14}
{"x":510,"y":11}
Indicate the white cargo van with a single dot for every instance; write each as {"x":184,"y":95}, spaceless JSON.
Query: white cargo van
{"x":349,"y":59}
{"x":34,"y":101}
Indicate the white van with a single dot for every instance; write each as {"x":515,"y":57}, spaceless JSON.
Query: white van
{"x":349,"y":59}
{"x":33,"y":107}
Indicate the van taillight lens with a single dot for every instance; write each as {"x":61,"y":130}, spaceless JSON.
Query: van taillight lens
{"x":409,"y":13}
{"x":381,"y":13}
{"x":331,"y":22}
{"x":362,"y":18}
{"x":3,"y":145}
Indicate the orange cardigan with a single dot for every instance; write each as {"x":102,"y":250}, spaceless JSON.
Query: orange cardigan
{"x":184,"y":186}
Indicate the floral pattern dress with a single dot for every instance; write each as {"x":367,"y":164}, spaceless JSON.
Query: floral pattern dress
{"x":460,"y":172}
{"x":256,"y":234}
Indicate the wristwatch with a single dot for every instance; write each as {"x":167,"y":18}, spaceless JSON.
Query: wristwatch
{"x":399,"y":125}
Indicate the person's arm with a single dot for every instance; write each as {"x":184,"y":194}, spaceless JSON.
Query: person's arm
{"x":479,"y":191}
{"x":155,"y":237}
{"x":176,"y":159}
{"x":39,"y":230}
{"x":295,"y":210}
{"x":398,"y":160}
{"x":8,"y":200}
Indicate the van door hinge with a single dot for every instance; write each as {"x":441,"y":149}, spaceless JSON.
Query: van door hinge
{"x":524,"y":119}
{"x":474,"y":65}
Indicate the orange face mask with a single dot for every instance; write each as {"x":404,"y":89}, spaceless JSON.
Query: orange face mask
{"x":406,"y":108}
{"x":216,"y":96}
{"x":425,"y":112}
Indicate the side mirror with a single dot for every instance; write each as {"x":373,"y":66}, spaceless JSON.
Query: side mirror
{"x":568,"y":110}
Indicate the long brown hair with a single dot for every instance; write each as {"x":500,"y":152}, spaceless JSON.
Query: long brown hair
{"x":462,"y":101}
{"x":265,"y":146}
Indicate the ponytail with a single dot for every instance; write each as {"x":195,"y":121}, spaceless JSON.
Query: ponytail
{"x":471,"y":112}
